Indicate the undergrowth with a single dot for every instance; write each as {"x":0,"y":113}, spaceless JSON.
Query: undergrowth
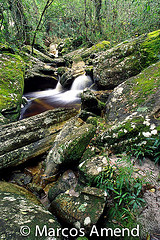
{"x":149,"y":148}
{"x":124,"y":192}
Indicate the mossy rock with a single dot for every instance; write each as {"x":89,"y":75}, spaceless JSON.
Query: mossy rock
{"x":133,"y":132}
{"x":61,"y":70}
{"x":99,"y":47}
{"x":91,"y":167}
{"x":125,"y":60}
{"x":81,"y":209}
{"x":137,"y":95}
{"x":37,"y":54}
{"x":70,"y":149}
{"x":19,"y":208}
{"x":11,"y":85}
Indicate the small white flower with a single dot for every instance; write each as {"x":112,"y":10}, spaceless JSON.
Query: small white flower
{"x":146,"y":123}
{"x":125,"y":131}
{"x":152,"y":126}
{"x":154,"y":132}
{"x":146,"y":134}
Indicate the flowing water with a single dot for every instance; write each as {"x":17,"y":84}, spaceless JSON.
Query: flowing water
{"x":41,"y":101}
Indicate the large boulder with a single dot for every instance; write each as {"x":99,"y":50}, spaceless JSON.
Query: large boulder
{"x":23,"y":216}
{"x":11,"y":86}
{"x":139,"y":95}
{"x":125,"y":60}
{"x":69,"y":148}
{"x":133,"y":111}
{"x":136,"y":135}
{"x":31,"y":137}
{"x":81,"y":208}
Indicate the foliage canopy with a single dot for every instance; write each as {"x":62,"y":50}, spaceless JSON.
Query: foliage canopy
{"x":89,"y":20}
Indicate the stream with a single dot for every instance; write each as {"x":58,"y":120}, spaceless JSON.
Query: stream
{"x":40,"y":101}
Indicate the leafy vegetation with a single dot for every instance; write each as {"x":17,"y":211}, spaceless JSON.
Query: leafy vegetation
{"x":124,"y":191}
{"x":86,"y":22}
{"x":149,"y":148}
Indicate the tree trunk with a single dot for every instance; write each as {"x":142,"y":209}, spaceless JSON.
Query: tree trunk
{"x":21,"y":23}
{"x":49,"y":2}
{"x":98,"y":5}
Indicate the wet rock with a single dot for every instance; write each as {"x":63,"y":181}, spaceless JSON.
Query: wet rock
{"x":31,"y":137}
{"x":38,"y":75}
{"x":36,"y":81}
{"x":90,"y":103}
{"x":67,"y":79}
{"x":69,"y":148}
{"x":139,"y":95}
{"x":11,"y":86}
{"x":81,"y":210}
{"x":67,"y":181}
{"x":127,"y":59}
{"x":18,"y":208}
{"x":70,"y":74}
{"x":58,"y":62}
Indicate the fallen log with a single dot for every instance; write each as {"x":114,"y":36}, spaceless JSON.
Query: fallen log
{"x":28,"y":138}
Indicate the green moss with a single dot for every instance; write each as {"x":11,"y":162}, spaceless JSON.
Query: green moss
{"x":146,"y":83}
{"x":92,"y":120}
{"x":89,"y":70}
{"x":13,"y":188}
{"x":11,"y":83}
{"x":101,"y":46}
{"x":73,"y":146}
{"x":88,"y":154}
{"x":37,"y":54}
{"x":77,"y":59}
{"x":150,"y":49}
{"x":82,"y":238}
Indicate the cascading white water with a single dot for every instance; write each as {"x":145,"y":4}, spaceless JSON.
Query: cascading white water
{"x":58,"y":97}
{"x":81,"y":82}
{"x":59,"y":87}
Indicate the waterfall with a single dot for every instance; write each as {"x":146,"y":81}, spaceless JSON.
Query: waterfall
{"x":59,"y":87}
{"x":41,"y":101}
{"x":81,"y":82}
